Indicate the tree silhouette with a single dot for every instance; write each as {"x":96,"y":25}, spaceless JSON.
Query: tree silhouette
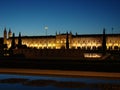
{"x":67,"y":41}
{"x":13,"y":42}
{"x":19,"y":41}
{"x":104,"y":41}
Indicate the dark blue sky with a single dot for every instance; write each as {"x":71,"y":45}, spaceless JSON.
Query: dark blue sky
{"x":83,"y":16}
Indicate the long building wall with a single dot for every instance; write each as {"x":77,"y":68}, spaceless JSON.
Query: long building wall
{"x":86,"y":42}
{"x":113,"y":42}
{"x":59,"y":41}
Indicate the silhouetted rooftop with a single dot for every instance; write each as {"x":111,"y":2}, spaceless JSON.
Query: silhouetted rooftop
{"x":82,"y":35}
{"x":51,"y":36}
{"x":95,"y":35}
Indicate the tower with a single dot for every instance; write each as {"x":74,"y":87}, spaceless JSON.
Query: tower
{"x":9,"y":33}
{"x":5,"y":36}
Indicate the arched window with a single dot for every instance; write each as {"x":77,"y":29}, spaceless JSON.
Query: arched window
{"x":110,"y":48}
{"x":115,"y":47}
{"x":62,"y":47}
{"x":94,"y":47}
{"x":83,"y":48}
{"x":99,"y":48}
{"x":88,"y":48}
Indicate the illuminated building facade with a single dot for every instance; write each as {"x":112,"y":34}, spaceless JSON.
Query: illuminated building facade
{"x":58,"y":41}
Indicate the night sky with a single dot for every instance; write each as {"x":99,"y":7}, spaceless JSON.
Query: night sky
{"x":83,"y":16}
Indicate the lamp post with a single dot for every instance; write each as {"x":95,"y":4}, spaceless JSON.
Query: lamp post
{"x":46,"y":28}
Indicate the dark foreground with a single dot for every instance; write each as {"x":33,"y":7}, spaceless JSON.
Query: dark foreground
{"x":58,"y":64}
{"x":20,"y":82}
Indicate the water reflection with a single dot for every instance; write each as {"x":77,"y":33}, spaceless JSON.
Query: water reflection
{"x":70,"y":85}
{"x":59,"y":83}
{"x":105,"y":86}
{"x":13,"y":80}
{"x":40,"y":82}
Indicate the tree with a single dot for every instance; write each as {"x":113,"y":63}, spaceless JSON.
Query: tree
{"x":13,"y":42}
{"x":104,"y":41}
{"x":19,"y":41}
{"x":67,"y":41}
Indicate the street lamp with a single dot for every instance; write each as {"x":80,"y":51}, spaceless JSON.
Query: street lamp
{"x":46,"y":28}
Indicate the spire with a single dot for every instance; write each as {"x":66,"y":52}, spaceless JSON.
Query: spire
{"x":56,"y":32}
{"x":19,"y":34}
{"x":5,"y":32}
{"x":9,"y":33}
{"x":76,"y":33}
{"x":10,"y":30}
{"x":5,"y":36}
{"x":103,"y":30}
{"x":71,"y":32}
{"x":5,"y":29}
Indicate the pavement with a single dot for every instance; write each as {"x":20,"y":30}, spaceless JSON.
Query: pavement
{"x":60,"y":73}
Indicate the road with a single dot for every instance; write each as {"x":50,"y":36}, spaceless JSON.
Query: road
{"x":60,"y":73}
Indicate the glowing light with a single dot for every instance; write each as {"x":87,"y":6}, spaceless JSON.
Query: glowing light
{"x":74,"y":44}
{"x":57,"y":41}
{"x":49,"y":45}
{"x":92,"y":55}
{"x":53,"y":44}
{"x":61,"y":41}
{"x":46,"y":27}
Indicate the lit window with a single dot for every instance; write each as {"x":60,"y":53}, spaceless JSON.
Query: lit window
{"x":57,"y":41}
{"x":65,"y":41}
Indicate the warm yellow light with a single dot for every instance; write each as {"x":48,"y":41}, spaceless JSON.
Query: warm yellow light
{"x":83,"y":45}
{"x":49,"y":45}
{"x":92,"y":55}
{"x":74,"y":44}
{"x":35,"y":45}
{"x":40,"y":45}
{"x":61,"y":41}
{"x":57,"y":41}
{"x":116,"y":44}
{"x":94,"y":44}
{"x":53,"y":44}
{"x":89,"y":44}
{"x":44,"y":45}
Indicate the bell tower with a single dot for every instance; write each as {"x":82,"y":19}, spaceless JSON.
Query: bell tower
{"x":5,"y":36}
{"x":9,"y":33}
